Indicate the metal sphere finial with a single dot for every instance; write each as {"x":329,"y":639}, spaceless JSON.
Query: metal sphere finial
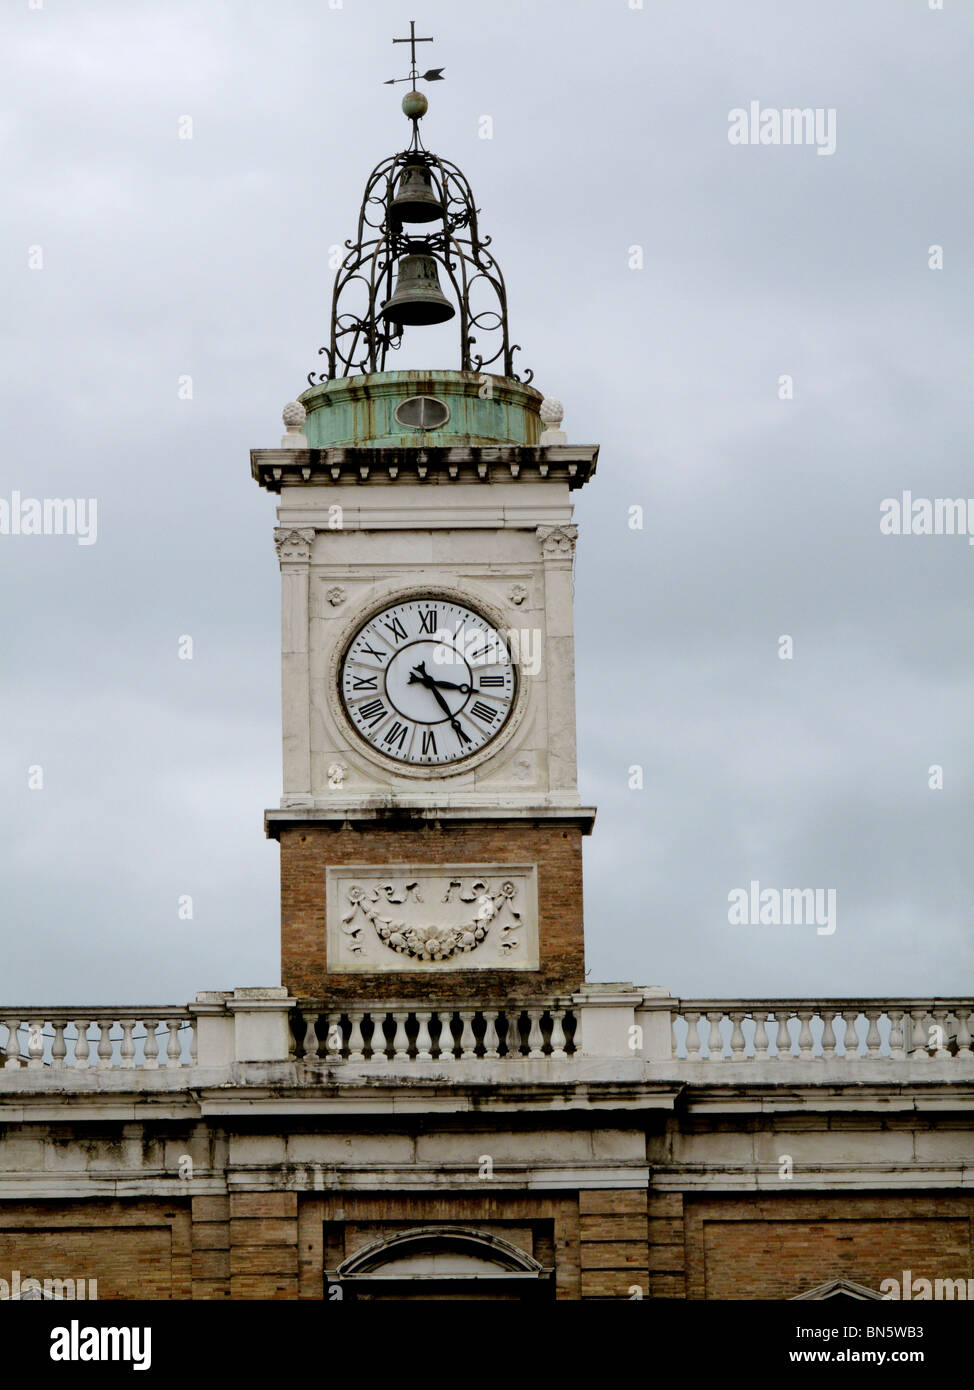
{"x":415,"y":105}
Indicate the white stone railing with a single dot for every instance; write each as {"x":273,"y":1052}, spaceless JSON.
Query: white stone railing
{"x":416,"y":1032}
{"x":96,"y":1039}
{"x":602,"y":1031}
{"x":799,"y":1030}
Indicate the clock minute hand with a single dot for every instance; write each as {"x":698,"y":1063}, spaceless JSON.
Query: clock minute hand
{"x":420,"y":675}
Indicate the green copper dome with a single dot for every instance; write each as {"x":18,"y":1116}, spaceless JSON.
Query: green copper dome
{"x":415,"y":409}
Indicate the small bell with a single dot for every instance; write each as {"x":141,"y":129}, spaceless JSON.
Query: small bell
{"x":415,"y":200}
{"x":417,"y":298}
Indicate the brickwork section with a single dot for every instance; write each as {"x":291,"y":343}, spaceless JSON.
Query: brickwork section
{"x":211,"y":1247}
{"x":133,"y":1249}
{"x":307,"y":851}
{"x":667,"y":1245}
{"x":612,"y":1244}
{"x":778,"y":1247}
{"x":264,"y":1245}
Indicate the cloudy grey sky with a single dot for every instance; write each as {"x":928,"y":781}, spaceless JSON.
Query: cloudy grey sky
{"x":208,"y":257}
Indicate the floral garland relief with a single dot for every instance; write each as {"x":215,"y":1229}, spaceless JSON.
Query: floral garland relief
{"x":434,"y":942}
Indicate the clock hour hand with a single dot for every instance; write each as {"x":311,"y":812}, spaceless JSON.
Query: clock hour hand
{"x":419,"y":675}
{"x":431,"y":682}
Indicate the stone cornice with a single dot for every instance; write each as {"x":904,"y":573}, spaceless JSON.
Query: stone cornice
{"x":573,"y":464}
{"x":276,"y":820}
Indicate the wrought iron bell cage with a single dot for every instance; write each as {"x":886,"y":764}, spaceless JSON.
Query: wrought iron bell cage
{"x":361,"y":337}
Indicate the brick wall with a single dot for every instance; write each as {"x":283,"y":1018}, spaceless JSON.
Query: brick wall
{"x":612,"y":1244}
{"x":557,"y":851}
{"x":778,"y":1247}
{"x":134,"y":1249}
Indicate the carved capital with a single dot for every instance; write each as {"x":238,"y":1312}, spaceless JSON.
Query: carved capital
{"x":558,"y":542}
{"x":292,"y":544}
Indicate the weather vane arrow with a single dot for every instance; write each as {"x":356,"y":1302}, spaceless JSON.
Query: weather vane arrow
{"x":431,"y":75}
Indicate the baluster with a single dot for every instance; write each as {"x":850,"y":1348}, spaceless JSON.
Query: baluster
{"x":446,"y":1043}
{"x":737,"y":1046}
{"x":851,"y":1035}
{"x":309,"y":1044}
{"x":127,"y":1049}
{"x":59,"y":1048}
{"x":942,"y":1035}
{"x":468,"y":1038}
{"x":806,"y":1051}
{"x":761,"y":1036}
{"x":828,"y":1035}
{"x":491,"y":1039}
{"x":693,"y":1039}
{"x":963,"y":1033}
{"x":334,"y":1037}
{"x":896,"y":1048}
{"x":104,"y":1048}
{"x":715,"y":1042}
{"x":150,"y":1045}
{"x":873,"y":1039}
{"x":783,"y":1038}
{"x":513,"y":1041}
{"x":173,"y":1046}
{"x":379,"y":1036}
{"x":535,"y":1034}
{"x":557,"y":1033}
{"x":35,"y":1044}
{"x":400,"y":1040}
{"x":81,"y":1049}
{"x":13,"y":1043}
{"x":356,"y":1043}
{"x":918,"y":1036}
{"x":424,"y":1043}
{"x":193,"y":1044}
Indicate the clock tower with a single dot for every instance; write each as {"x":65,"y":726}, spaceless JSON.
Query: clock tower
{"x":430,"y":823}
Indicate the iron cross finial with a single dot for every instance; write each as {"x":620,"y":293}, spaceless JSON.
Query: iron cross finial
{"x":432,"y":75}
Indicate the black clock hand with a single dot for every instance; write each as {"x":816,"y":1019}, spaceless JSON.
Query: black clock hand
{"x":423,"y":679}
{"x":431,"y":681}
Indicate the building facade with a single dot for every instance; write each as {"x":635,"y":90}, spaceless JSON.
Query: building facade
{"x":434,"y":1103}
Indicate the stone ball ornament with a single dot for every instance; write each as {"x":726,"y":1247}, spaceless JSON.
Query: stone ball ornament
{"x":415,"y":105}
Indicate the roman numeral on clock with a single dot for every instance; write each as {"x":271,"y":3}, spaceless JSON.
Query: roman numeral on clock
{"x":427,"y":621}
{"x":366,"y":683}
{"x":429,"y":743}
{"x":397,"y":629}
{"x":395,"y":736}
{"x":373,"y":712}
{"x":483,"y":711}
{"x":485,"y":681}
{"x":379,"y":656}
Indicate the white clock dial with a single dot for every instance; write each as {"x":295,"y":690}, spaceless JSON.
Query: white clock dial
{"x":427,"y":681}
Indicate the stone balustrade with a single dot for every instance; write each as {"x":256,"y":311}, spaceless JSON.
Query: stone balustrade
{"x":249,"y":1035}
{"x":413,"y":1033}
{"x":801,"y":1030}
{"x":99,"y":1039}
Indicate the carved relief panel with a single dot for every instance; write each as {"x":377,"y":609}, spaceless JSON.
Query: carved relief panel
{"x":432,"y":918}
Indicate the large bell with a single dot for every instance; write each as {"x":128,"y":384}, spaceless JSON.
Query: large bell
{"x":415,"y":200}
{"x":417,"y":297}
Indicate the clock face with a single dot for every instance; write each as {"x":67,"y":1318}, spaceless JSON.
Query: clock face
{"x":427,"y":681}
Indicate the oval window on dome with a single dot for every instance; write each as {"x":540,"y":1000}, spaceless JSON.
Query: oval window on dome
{"x":422,"y":413}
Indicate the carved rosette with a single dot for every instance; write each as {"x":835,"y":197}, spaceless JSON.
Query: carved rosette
{"x":293,"y":545}
{"x":558,"y":542}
